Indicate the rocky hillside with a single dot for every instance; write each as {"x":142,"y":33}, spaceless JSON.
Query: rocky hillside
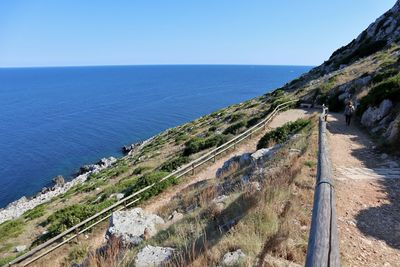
{"x":365,"y":71}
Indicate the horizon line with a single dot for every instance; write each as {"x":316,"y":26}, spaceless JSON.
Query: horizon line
{"x":142,"y":65}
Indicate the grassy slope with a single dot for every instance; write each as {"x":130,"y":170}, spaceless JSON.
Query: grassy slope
{"x":130,"y":171}
{"x":169,"y":146}
{"x":269,"y":223}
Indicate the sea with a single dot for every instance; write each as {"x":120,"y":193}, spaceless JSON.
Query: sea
{"x":54,"y":120}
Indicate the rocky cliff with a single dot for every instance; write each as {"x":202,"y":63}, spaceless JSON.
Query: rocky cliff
{"x":365,"y":71}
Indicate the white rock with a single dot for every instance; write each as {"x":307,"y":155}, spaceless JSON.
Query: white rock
{"x":20,"y":248}
{"x":220,"y":199}
{"x":233,"y":258}
{"x":18,"y":207}
{"x":393,"y":131}
{"x":130,"y":225}
{"x":119,"y":196}
{"x":175,"y":216}
{"x":372,"y":115}
{"x":153,"y":256}
{"x":263,"y":154}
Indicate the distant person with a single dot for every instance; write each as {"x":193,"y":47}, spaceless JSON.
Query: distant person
{"x":325,"y":111}
{"x":348,"y":112}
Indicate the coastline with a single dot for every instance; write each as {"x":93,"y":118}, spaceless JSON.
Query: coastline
{"x":18,"y":207}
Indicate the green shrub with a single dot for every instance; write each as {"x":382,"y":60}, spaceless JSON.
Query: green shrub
{"x":67,"y":217}
{"x":174,"y":163}
{"x":119,"y":187}
{"x":235,"y":128}
{"x":366,"y":48}
{"x":282,"y":134}
{"x":198,"y":144}
{"x":387,"y":89}
{"x":381,"y":76}
{"x":34,"y":213}
{"x":148,"y":179}
{"x":256,"y":119}
{"x":235,"y":117}
{"x":181,"y":138}
{"x":11,"y":229}
{"x":5,"y":260}
{"x":140,"y":170}
{"x":212,"y":129}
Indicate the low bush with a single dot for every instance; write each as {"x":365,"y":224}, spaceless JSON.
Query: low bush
{"x":174,"y":163}
{"x":282,"y":134}
{"x":256,"y":119}
{"x":181,"y":138}
{"x":212,"y":129}
{"x":235,"y":128}
{"x":34,"y":213}
{"x":148,"y":179}
{"x":235,"y":117}
{"x":140,"y":170}
{"x":381,"y":76}
{"x":387,"y":89}
{"x":119,"y":187}
{"x":4,"y":261}
{"x":67,"y":217}
{"x":198,"y":144}
{"x":11,"y":229}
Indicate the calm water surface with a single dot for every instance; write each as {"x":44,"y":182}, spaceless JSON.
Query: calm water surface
{"x":54,"y":120}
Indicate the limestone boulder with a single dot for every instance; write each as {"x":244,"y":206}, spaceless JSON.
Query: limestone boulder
{"x":374,"y":114}
{"x":263,"y":154}
{"x":151,"y":256}
{"x":234,"y":258}
{"x":132,"y":225}
{"x":58,"y":181}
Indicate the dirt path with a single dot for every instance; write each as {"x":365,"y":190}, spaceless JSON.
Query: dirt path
{"x":209,"y":172}
{"x":368,"y":194}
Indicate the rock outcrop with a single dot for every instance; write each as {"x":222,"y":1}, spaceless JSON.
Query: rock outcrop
{"x":151,"y":256}
{"x":58,"y":181}
{"x":234,"y":258}
{"x":374,"y":114}
{"x":255,"y":159}
{"x":131,"y":225}
{"x":18,"y":207}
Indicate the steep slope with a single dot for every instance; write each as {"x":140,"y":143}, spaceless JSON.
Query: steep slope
{"x":381,"y":34}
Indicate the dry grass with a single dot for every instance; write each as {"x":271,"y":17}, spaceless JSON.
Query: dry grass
{"x":273,"y":221}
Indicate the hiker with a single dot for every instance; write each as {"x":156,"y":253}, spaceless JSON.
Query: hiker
{"x":348,"y":112}
{"x":325,"y":111}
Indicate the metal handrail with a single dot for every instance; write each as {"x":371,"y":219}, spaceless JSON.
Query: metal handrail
{"x":323,"y":243}
{"x":190,"y":167}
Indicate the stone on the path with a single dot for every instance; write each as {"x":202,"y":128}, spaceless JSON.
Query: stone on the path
{"x":153,"y":256}
{"x":130,"y":225}
{"x":20,"y":248}
{"x":233,"y":258}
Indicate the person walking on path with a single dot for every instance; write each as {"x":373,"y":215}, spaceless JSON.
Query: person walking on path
{"x":348,"y":112}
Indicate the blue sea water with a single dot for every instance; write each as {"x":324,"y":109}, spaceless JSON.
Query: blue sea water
{"x":54,"y":120}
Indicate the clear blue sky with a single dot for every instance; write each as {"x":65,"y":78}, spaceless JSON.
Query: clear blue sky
{"x":105,"y":32}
